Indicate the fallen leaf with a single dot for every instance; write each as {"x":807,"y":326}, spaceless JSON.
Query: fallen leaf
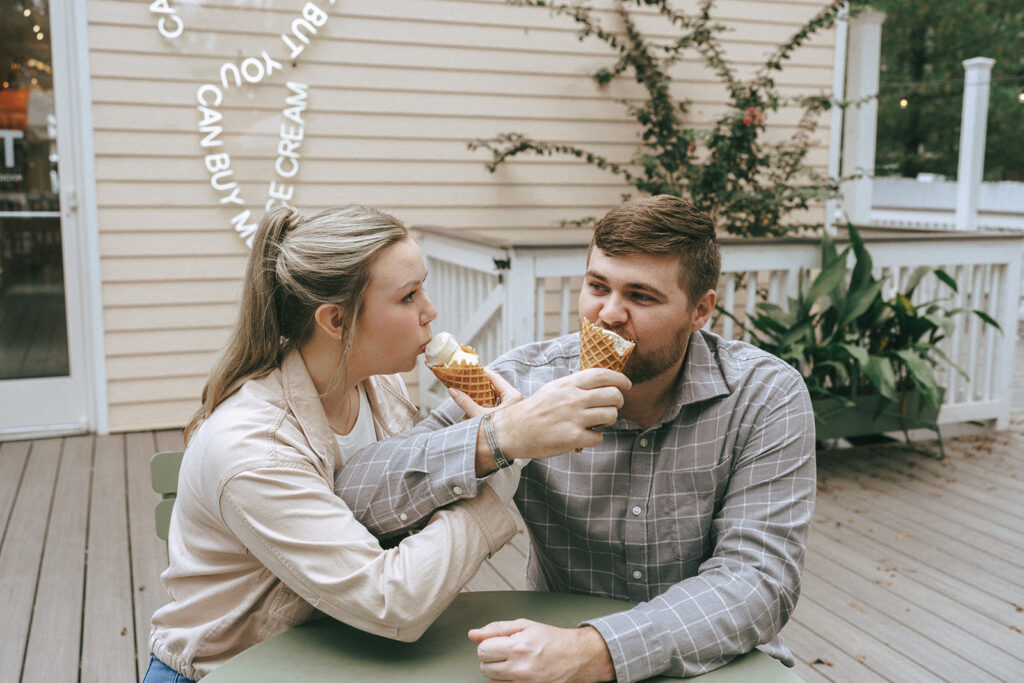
{"x":860,"y":511}
{"x":860,"y":658}
{"x":124,"y":631}
{"x":1014,"y":628}
{"x":910,"y":570}
{"x":883,"y":582}
{"x":856,"y":606}
{"x":142,"y":588}
{"x":885,"y":559}
{"x":902,"y":534}
{"x":837,"y":525}
{"x":849,"y":520}
{"x":819,"y":660}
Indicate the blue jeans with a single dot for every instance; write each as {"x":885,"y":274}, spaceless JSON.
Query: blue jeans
{"x":158,"y":672}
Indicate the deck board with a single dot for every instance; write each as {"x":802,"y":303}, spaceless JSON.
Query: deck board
{"x":13,"y":456}
{"x":108,"y":629}
{"x":930,"y":554}
{"x":53,"y":643}
{"x":22,"y":553}
{"x":148,"y":552}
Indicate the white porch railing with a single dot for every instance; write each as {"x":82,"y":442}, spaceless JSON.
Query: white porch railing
{"x":494,"y":294}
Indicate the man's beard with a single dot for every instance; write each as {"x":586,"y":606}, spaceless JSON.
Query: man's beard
{"x":647,"y":363}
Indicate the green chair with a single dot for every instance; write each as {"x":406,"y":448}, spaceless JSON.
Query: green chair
{"x":163,"y":473}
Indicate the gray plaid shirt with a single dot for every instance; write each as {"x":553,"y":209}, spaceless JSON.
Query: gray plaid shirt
{"x":701,"y":519}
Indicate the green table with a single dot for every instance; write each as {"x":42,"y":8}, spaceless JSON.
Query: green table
{"x":327,"y":650}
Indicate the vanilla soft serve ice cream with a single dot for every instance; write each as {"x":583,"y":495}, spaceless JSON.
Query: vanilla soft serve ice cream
{"x":459,"y":367}
{"x":443,"y":349}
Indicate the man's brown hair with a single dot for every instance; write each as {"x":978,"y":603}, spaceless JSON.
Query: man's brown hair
{"x":664,"y":225}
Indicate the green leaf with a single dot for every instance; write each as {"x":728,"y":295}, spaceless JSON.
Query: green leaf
{"x":921,"y":374}
{"x":988,"y":319}
{"x":915,"y":279}
{"x":878,"y":371}
{"x":945,"y":277}
{"x":828,"y":279}
{"x":828,"y":250}
{"x":860,"y":299}
{"x":858,"y":353}
{"x":949,"y":361}
{"x":802,"y":330}
{"x":841,"y":372}
{"x":863,"y":266}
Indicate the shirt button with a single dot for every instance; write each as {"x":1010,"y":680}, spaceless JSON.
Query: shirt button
{"x":637,"y":510}
{"x":457,"y":490}
{"x":637,"y":575}
{"x":643,"y":442}
{"x":403,"y":516}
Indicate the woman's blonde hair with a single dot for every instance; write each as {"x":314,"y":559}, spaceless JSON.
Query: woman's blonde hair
{"x":296,"y":265}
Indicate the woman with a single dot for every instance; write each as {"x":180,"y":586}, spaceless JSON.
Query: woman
{"x":333,"y":306}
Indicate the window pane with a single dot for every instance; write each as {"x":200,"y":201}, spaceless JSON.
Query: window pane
{"x":33,"y":322}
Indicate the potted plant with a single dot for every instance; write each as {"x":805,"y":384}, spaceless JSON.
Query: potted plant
{"x":868,"y":360}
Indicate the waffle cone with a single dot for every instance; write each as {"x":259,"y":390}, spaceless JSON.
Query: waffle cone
{"x":467,"y":378}
{"x":597,"y":350}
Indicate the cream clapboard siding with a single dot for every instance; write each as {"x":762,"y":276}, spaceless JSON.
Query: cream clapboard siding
{"x":396,"y":90}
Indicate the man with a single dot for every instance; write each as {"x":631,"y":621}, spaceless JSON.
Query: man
{"x":696,"y":502}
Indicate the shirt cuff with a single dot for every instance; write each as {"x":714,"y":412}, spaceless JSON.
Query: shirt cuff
{"x":634,"y":644}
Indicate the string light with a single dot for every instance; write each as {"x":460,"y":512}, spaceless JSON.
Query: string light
{"x":1020,"y":97}
{"x":904,"y":102}
{"x":27,"y":12}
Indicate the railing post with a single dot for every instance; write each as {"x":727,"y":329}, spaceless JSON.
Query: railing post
{"x":973,"y":122}
{"x":865,"y":40}
{"x":521,"y":299}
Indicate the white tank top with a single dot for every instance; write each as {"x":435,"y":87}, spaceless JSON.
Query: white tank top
{"x":362,"y":433}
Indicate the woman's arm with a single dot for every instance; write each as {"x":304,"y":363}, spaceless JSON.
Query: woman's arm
{"x":292,"y":522}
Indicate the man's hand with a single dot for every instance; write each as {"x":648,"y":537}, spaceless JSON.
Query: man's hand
{"x":524,"y":650}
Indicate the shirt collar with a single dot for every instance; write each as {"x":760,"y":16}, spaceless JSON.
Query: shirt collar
{"x":304,"y":401}
{"x":701,"y":379}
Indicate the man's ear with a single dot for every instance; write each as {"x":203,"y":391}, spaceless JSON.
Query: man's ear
{"x":704,"y":308}
{"x":330,"y":318}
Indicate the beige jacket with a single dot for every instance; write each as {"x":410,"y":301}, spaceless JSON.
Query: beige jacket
{"x":259,"y":542}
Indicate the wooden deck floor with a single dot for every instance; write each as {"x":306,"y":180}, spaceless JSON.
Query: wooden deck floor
{"x":915,"y":569}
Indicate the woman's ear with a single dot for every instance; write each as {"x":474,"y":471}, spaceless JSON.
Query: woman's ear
{"x":330,"y":318}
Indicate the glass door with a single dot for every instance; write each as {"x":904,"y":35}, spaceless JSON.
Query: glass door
{"x":41,"y":388}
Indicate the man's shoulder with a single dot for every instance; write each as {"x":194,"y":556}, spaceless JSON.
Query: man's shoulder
{"x":742,"y":362}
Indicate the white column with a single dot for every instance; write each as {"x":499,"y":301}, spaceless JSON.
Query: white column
{"x":862,"y":68}
{"x":973,"y":122}
{"x":835,"y":130}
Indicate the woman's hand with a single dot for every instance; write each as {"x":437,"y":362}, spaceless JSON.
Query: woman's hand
{"x":507,"y":395}
{"x":561,"y":415}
